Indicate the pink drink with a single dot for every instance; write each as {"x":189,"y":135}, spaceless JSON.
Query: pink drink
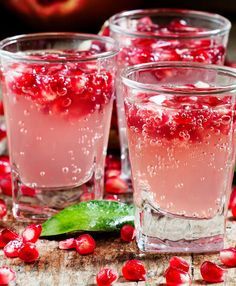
{"x":58,"y":100}
{"x":175,"y":151}
{"x":181,"y":133}
{"x":56,"y":124}
{"x":165,"y":35}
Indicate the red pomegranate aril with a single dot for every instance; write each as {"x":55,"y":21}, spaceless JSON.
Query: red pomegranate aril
{"x":176,"y":277}
{"x":106,"y":277}
{"x":228,"y":256}
{"x":6,"y":275}
{"x":112,"y":173}
{"x":134,"y":270}
{"x":111,"y":197}
{"x":32,"y":233}
{"x":27,"y":191}
{"x":67,"y":243}
{"x":116,"y":185}
{"x":127,"y":233}
{"x":234,"y":210}
{"x":6,"y":185}
{"x":3,"y":209}
{"x":211,"y":272}
{"x":179,"y":263}
{"x":28,"y":252}
{"x":11,"y":250}
{"x":232,"y":200}
{"x":7,"y":235}
{"x":85,"y":244}
{"x":112,"y":163}
{"x":1,"y":108}
{"x":5,"y":167}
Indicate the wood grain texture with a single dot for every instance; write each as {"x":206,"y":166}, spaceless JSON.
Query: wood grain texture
{"x":61,"y":268}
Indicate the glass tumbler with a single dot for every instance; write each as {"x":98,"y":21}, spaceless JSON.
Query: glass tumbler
{"x":164,"y":35}
{"x":181,"y":133}
{"x":58,"y":92}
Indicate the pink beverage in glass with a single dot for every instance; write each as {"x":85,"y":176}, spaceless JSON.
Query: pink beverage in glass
{"x":181,"y":134}
{"x":165,"y":35}
{"x":58,"y":107}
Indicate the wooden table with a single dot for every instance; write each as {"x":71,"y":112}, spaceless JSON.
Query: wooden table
{"x":66,"y":268}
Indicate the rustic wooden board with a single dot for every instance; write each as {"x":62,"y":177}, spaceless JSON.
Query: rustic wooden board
{"x":61,"y":268}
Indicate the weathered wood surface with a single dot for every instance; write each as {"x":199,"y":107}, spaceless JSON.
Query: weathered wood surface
{"x":59,"y":267}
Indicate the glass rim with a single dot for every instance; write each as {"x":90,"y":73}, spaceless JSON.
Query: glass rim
{"x":225,"y":23}
{"x":177,"y":64}
{"x":57,"y":35}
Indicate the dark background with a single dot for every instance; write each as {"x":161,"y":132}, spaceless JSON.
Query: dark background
{"x":90,"y":16}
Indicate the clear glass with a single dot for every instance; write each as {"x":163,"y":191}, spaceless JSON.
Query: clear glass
{"x":165,"y":35}
{"x":58,"y":91}
{"x":181,"y":133}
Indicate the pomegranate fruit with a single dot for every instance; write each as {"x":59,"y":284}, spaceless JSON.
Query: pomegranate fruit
{"x":28,"y":252}
{"x":211,"y":272}
{"x":106,"y":277}
{"x":175,"y":276}
{"x":179,"y":263}
{"x":6,"y":275}
{"x":7,"y":235}
{"x":11,"y":250}
{"x":116,"y":185}
{"x":67,"y":243}
{"x":127,"y":233}
{"x":32,"y":233}
{"x":228,"y":256}
{"x":3,"y":209}
{"x":134,"y":270}
{"x":85,"y":244}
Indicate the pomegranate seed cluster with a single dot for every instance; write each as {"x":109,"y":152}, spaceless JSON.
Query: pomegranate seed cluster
{"x":70,"y":89}
{"x":22,"y":246}
{"x":142,"y":50}
{"x":186,"y":118}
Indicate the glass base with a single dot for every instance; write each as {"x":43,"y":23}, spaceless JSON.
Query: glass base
{"x":162,"y":232}
{"x":40,"y":204}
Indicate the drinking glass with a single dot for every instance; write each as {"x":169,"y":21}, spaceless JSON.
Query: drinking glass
{"x":58,"y":92}
{"x":181,"y":133}
{"x":164,"y":35}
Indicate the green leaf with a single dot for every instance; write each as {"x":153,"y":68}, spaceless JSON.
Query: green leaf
{"x":90,"y":216}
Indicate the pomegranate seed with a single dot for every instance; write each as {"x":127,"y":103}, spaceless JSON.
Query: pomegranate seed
{"x":112,"y":163}
{"x":7,"y":235}
{"x":85,"y":244}
{"x":5,"y":167}
{"x":29,"y":192}
{"x":233,"y":210}
{"x":32,"y":233}
{"x":28,"y":252}
{"x":110,"y":197}
{"x":86,"y":197}
{"x":179,"y":263}
{"x":6,"y":275}
{"x":67,"y":243}
{"x":116,"y":185}
{"x":228,"y":256}
{"x":232,"y":200}
{"x":176,"y":276}
{"x":11,"y":250}
{"x":127,"y":233}
{"x":6,"y":185}
{"x":1,"y":108}
{"x":134,"y":270}
{"x":3,"y":208}
{"x":106,"y":277}
{"x":211,"y":272}
{"x":112,"y":173}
